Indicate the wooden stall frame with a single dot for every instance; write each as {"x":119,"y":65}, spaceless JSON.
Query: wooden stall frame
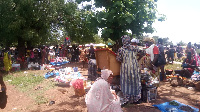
{"x":107,"y":62}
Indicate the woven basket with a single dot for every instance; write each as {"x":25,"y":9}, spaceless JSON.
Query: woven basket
{"x":106,"y":59}
{"x":79,"y":92}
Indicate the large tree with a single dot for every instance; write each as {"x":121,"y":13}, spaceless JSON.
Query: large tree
{"x":28,"y":22}
{"x":122,"y":15}
{"x":80,"y":24}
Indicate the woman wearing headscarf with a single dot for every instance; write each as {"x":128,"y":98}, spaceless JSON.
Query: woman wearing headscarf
{"x":190,"y":49}
{"x":152,"y":53}
{"x":100,"y":98}
{"x":133,"y":45}
{"x":189,"y":64}
{"x":83,"y":57}
{"x":7,"y":61}
{"x":129,"y":72}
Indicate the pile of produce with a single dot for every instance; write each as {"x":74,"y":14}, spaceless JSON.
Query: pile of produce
{"x":173,"y":103}
{"x":186,"y":108}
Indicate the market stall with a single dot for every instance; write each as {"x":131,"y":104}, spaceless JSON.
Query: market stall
{"x":106,"y":59}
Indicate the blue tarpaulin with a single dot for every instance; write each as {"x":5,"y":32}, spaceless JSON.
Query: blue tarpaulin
{"x":59,"y":63}
{"x":166,"y":107}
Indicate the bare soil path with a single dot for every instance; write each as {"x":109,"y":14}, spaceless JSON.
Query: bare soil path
{"x":66,"y":101}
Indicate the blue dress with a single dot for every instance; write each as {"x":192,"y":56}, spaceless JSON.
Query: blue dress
{"x":129,"y":74}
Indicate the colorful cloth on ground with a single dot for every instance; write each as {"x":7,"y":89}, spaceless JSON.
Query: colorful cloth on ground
{"x":195,"y":75}
{"x":7,"y":62}
{"x":100,"y":99}
{"x":129,"y":74}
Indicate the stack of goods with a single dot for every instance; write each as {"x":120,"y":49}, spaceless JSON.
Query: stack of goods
{"x":33,"y":66}
{"x":68,"y":74}
{"x":171,"y":77}
{"x":15,"y":67}
{"x":148,"y":80}
{"x":195,"y":76}
{"x":52,"y":73}
{"x":59,"y":61}
{"x":149,"y":90}
{"x":45,"y":67}
{"x":168,"y":71}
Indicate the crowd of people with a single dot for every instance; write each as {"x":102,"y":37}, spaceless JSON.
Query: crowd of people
{"x":44,"y":55}
{"x":133,"y":59}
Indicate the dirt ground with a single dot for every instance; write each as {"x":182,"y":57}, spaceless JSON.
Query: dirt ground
{"x":66,"y":101}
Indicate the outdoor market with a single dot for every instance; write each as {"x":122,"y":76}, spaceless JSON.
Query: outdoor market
{"x":99,"y":56}
{"x":128,"y":72}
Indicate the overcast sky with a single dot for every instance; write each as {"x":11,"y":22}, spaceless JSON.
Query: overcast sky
{"x":183,"y":20}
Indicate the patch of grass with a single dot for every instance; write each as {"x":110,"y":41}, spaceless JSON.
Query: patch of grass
{"x":25,"y":82}
{"x":28,"y":82}
{"x":173,"y":66}
{"x":41,"y":100}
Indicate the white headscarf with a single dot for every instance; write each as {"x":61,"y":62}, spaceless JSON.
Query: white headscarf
{"x":105,"y":73}
{"x":99,"y":98}
{"x":134,"y":40}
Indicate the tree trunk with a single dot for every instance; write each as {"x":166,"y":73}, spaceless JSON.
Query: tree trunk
{"x":21,"y":51}
{"x":28,"y":43}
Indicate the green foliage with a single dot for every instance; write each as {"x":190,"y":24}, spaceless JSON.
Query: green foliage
{"x":80,"y":24}
{"x":109,"y":41}
{"x":182,"y":43}
{"x":122,"y":15}
{"x":30,"y":20}
{"x":39,"y":22}
{"x":166,"y":41}
{"x":155,"y":38}
{"x":170,"y":43}
{"x":162,"y":17}
{"x":98,"y":39}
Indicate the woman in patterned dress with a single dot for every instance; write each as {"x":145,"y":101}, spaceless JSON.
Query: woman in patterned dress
{"x":129,"y":74}
{"x":148,"y":61}
{"x":83,"y":57}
